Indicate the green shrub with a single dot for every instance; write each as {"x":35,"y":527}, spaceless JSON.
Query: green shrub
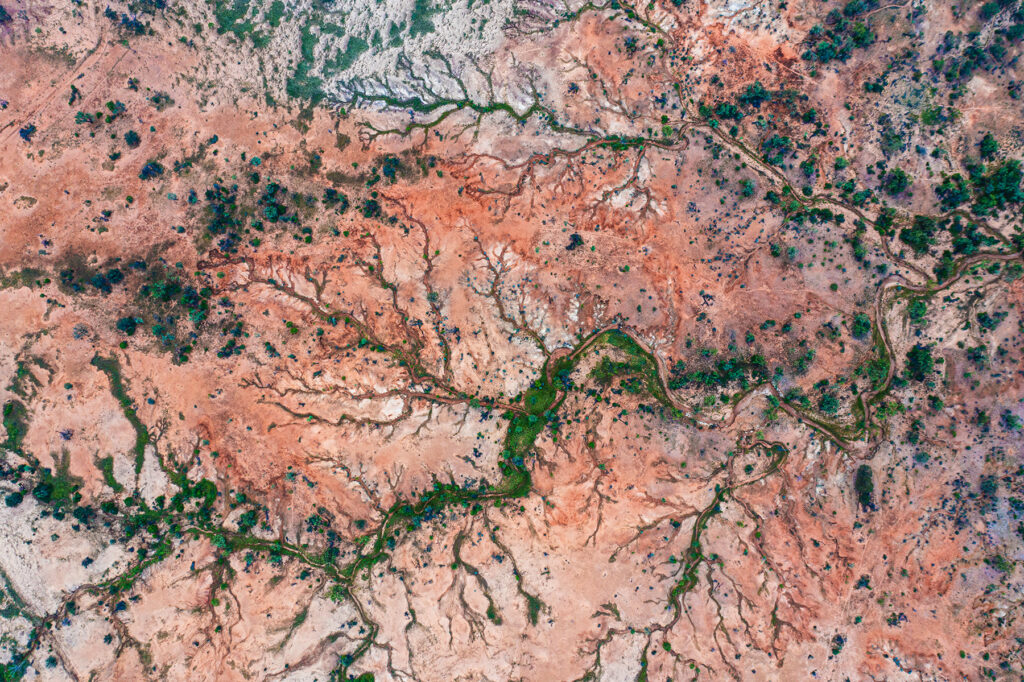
{"x":920,"y":363}
{"x":896,"y":181}
{"x":864,"y":486}
{"x":920,"y":235}
{"x":861,"y":326}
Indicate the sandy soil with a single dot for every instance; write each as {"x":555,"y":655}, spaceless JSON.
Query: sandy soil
{"x":267,"y":363}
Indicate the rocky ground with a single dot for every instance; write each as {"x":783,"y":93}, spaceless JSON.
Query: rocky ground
{"x":511,"y":341}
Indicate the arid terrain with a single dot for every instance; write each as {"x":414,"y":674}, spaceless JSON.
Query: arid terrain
{"x":511,"y":340}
